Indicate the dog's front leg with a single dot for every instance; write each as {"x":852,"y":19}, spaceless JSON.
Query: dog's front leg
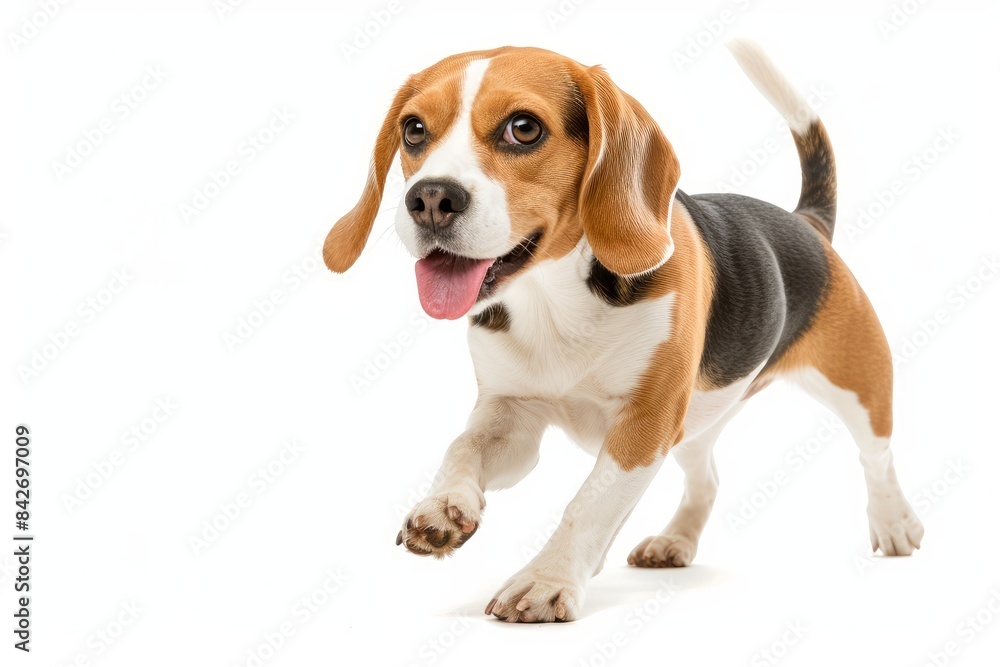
{"x":498,"y":448}
{"x":551,"y":586}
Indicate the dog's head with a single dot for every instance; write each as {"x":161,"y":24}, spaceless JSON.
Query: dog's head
{"x":510,"y":156}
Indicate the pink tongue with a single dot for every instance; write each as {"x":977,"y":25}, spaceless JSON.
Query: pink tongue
{"x":449,"y":285}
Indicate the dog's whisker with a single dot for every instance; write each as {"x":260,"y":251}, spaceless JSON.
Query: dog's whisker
{"x":390,"y":228}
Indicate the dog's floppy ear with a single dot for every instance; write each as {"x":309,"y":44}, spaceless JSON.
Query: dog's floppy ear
{"x":347,"y":239}
{"x":629,"y":181}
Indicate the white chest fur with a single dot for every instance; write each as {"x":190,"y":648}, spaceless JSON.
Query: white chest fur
{"x":579,"y":355}
{"x":568,"y":348}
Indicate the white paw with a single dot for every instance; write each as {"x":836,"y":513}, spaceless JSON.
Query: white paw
{"x":442,"y":522}
{"x":534,"y":596}
{"x":893,"y":526}
{"x":663,"y":551}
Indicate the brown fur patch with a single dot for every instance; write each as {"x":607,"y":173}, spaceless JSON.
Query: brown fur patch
{"x":349,"y":235}
{"x":652,"y":420}
{"x":436,"y":101}
{"x":847,"y":345}
{"x":542,"y":184}
{"x":631,"y":176}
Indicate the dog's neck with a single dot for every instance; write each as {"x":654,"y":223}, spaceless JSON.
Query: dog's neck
{"x":559,"y":332}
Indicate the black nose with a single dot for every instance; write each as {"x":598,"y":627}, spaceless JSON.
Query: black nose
{"x":435,"y":202}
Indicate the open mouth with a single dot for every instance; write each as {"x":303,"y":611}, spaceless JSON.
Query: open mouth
{"x":449,"y":284}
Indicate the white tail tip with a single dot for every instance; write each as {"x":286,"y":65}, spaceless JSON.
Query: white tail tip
{"x":778,"y":90}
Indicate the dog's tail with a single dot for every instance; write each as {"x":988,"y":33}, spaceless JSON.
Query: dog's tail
{"x":818,"y":196}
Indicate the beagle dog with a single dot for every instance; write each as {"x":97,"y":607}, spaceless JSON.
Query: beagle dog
{"x":542,"y":202}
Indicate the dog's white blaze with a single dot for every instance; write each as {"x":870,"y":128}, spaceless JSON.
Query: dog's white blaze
{"x":483,"y":230}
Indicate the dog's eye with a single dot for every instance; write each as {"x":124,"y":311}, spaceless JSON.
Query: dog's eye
{"x":522,"y":129}
{"x":414,"y":132}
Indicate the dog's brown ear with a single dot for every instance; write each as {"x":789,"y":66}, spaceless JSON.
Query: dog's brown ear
{"x":629,"y":181}
{"x":349,"y":235}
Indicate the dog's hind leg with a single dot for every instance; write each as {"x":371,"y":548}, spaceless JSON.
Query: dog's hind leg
{"x":844,"y":362}
{"x":893,"y":526}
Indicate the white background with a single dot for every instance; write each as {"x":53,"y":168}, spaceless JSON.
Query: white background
{"x":801,"y":558}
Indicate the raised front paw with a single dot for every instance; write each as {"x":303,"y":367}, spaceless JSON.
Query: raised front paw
{"x":441,"y":523}
{"x":535,"y":596}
